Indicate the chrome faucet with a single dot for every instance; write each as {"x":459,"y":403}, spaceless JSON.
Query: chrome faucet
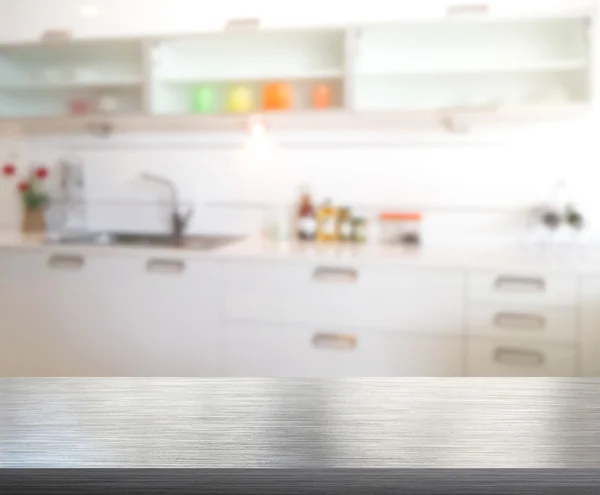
{"x":179,"y":221}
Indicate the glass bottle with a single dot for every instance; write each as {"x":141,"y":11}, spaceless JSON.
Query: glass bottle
{"x":307,"y":224}
{"x":344,"y":225}
{"x":359,"y":230}
{"x":327,"y":222}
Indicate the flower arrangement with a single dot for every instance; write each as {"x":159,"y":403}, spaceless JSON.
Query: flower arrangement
{"x":32,"y":190}
{"x":35,"y":199}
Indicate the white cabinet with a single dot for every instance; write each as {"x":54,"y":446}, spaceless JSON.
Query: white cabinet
{"x":202,"y":74}
{"x":335,"y":319}
{"x":430,"y":62}
{"x":75,"y":314}
{"x":523,"y":287}
{"x":266,"y":291}
{"x":287,"y":350}
{"x":53,"y":316}
{"x":477,"y":65}
{"x":166,"y":315}
{"x":522,"y":323}
{"x":498,"y":358}
{"x":27,"y":336}
{"x":355,"y":296}
{"x":338,"y":295}
{"x":58,"y":80}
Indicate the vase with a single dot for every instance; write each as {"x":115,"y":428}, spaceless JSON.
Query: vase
{"x":33,"y":220}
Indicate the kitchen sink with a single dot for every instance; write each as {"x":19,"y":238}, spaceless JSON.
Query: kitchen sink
{"x":200,"y":242}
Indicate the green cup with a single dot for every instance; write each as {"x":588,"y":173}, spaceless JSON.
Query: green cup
{"x":203,"y":100}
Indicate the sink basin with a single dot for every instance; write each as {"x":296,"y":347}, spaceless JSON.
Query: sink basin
{"x":201,"y":242}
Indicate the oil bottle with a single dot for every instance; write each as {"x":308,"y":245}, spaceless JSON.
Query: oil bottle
{"x":327,"y":222}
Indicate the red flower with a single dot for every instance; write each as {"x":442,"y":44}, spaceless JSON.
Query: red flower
{"x":23,"y":187}
{"x":9,"y":169}
{"x":41,"y":173}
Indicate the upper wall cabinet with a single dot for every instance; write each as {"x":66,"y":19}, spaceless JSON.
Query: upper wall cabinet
{"x":465,"y":64}
{"x":440,"y":62}
{"x":241,"y":72}
{"x":65,"y":79}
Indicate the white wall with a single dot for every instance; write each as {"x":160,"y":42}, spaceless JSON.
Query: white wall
{"x":467,"y":188}
{"x":475,"y":189}
{"x":29,"y":19}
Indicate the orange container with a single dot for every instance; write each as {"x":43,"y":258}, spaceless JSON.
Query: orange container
{"x":401,"y":217}
{"x":277,"y":96}
{"x":322,"y":96}
{"x":398,"y":227}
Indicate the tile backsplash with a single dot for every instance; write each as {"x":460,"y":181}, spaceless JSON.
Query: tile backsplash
{"x":476,"y":189}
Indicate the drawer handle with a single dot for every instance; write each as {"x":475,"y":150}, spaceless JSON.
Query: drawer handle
{"x":519,"y":357}
{"x":157,"y":265}
{"x":520,"y":284}
{"x":468,"y":9}
{"x":520,"y":321}
{"x":66,"y":262}
{"x":52,"y":35}
{"x":336,"y":275}
{"x":334,"y":341}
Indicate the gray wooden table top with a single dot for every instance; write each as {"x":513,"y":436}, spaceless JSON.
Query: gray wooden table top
{"x":241,"y":423}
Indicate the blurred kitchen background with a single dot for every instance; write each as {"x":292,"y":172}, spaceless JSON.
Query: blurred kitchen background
{"x":433,"y":150}
{"x":479,"y":185}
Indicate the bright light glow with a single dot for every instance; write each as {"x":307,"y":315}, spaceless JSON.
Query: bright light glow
{"x":257,"y":128}
{"x":89,"y":10}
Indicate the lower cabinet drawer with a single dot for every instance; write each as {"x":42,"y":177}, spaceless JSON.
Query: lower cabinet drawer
{"x":490,"y":358}
{"x":418,"y":302}
{"x":519,"y":323}
{"x":263,"y":350}
{"x":523,"y":288}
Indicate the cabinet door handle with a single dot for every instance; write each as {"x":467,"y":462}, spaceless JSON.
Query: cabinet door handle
{"x":66,"y":262}
{"x":334,"y":341}
{"x":519,"y":357}
{"x":243,"y":23}
{"x":520,"y":284}
{"x":467,"y":9}
{"x":157,"y":265}
{"x":520,"y":321}
{"x":336,"y":275}
{"x":53,"y":35}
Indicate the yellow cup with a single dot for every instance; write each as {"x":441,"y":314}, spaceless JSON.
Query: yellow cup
{"x":240,"y":100}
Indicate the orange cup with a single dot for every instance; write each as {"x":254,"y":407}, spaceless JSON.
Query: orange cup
{"x":277,"y":96}
{"x":322,"y":96}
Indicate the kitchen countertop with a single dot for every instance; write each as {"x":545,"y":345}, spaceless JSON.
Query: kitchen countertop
{"x":562,"y":259}
{"x":450,"y":256}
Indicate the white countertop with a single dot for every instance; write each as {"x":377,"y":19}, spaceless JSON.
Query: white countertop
{"x":562,"y":259}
